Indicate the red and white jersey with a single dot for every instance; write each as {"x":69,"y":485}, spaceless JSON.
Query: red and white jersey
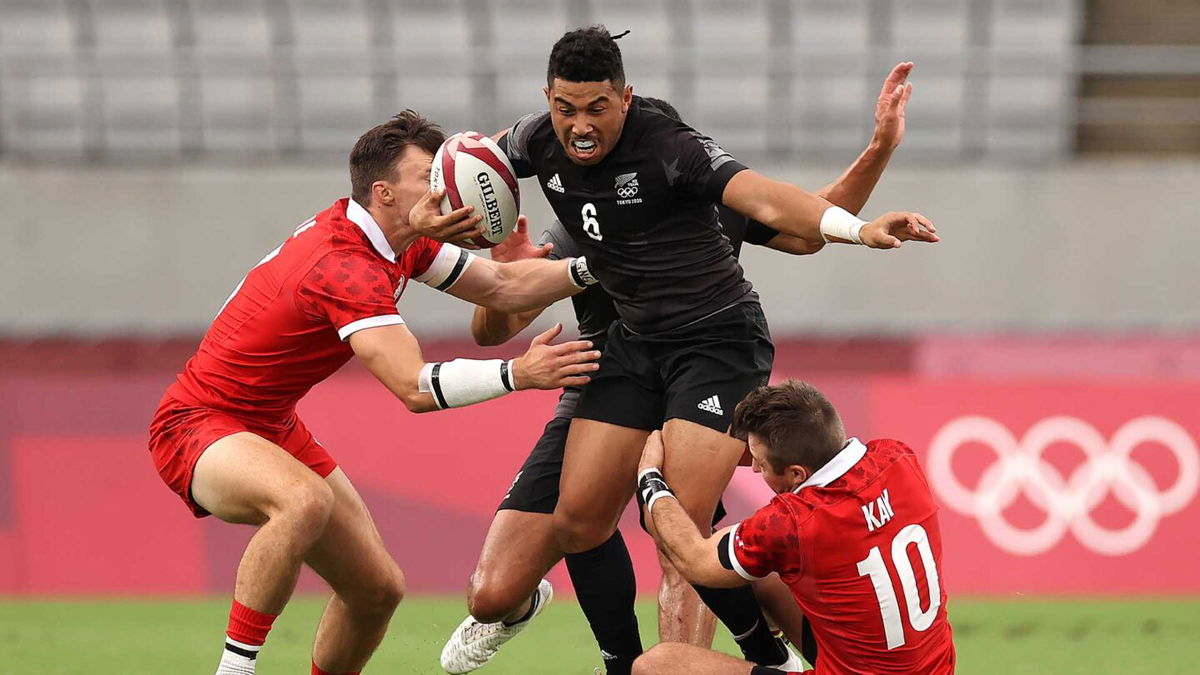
{"x":859,"y":545}
{"x":285,"y":327}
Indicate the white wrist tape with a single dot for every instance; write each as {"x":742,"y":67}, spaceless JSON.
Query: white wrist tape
{"x":579,"y":273}
{"x":840,"y":223}
{"x":465,"y":381}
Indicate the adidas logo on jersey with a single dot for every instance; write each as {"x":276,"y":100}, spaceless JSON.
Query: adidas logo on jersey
{"x":555,"y":184}
{"x":711,"y":404}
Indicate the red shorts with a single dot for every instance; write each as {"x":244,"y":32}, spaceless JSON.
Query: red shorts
{"x":180,"y":433}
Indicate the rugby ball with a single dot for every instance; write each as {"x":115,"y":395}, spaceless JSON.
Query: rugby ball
{"x":474,"y":171}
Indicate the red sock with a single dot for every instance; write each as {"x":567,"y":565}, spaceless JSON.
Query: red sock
{"x":249,"y":626}
{"x":316,"y":670}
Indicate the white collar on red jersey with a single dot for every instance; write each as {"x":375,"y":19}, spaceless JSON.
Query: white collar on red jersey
{"x":837,"y":467}
{"x":365,"y":222}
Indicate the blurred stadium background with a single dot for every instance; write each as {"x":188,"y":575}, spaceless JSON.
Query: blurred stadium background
{"x":151,"y":151}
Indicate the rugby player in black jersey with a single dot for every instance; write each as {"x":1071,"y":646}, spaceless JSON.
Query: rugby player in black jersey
{"x":507,"y":588}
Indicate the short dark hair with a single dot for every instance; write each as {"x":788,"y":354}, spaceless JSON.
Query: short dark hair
{"x":586,"y":55}
{"x":666,"y":108}
{"x":374,"y":155}
{"x":795,"y":420}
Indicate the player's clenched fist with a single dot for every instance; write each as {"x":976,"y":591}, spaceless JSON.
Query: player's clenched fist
{"x":455,"y":227}
{"x":894,"y":227}
{"x":547,"y":366}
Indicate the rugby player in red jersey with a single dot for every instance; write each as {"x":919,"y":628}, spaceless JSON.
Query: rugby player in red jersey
{"x":853,"y":531}
{"x":226,"y":437}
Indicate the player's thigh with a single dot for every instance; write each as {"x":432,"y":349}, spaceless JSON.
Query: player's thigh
{"x":518,"y":551}
{"x":350,"y":555}
{"x":599,"y":470}
{"x":244,"y":478}
{"x":698,"y":464}
{"x":676,"y":658}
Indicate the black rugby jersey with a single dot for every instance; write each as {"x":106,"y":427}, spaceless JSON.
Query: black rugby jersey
{"x":594,"y":308}
{"x":644,"y":216}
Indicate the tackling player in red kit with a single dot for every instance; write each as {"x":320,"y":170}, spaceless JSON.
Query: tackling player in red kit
{"x":226,"y":437}
{"x":853,"y":531}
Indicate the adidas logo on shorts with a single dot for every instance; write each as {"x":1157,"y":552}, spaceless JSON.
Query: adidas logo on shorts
{"x":555,"y":183}
{"x":711,"y":404}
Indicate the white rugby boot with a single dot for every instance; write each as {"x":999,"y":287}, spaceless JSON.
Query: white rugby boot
{"x":473,"y":644}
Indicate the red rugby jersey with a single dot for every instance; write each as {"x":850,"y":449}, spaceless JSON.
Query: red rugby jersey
{"x":859,"y":545}
{"x":285,"y":327}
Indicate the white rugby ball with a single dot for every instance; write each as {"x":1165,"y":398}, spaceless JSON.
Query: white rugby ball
{"x":474,"y":171}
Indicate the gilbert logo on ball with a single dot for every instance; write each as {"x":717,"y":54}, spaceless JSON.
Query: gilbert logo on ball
{"x":474,"y":171}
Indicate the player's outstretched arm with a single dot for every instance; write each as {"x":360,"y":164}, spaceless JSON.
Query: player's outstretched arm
{"x":853,"y":188}
{"x":521,"y":286}
{"x":695,"y":557}
{"x":791,"y":210}
{"x":393,"y":356}
{"x":492,"y":327}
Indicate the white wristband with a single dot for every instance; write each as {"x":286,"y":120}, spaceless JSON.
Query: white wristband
{"x":840,"y":223}
{"x":580,"y":275}
{"x":465,"y":381}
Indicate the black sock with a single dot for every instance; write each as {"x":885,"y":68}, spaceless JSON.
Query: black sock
{"x":533,"y":605}
{"x":738,"y":609}
{"x":808,"y":643}
{"x":605,"y":586}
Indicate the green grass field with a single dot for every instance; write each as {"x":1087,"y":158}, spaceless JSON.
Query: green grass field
{"x":1092,"y":637}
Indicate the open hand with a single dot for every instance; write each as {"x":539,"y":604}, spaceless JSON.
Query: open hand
{"x":889,"y":108}
{"x":894,"y":227}
{"x":518,"y":246}
{"x":652,"y":452}
{"x":454,"y":227}
{"x":547,"y":366}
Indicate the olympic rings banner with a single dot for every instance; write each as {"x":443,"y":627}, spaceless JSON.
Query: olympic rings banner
{"x":1063,"y":486}
{"x":1050,"y":487}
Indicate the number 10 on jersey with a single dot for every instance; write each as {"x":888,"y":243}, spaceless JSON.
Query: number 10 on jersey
{"x":875,"y":567}
{"x":590,"y":224}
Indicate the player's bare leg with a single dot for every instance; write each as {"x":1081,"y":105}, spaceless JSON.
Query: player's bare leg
{"x":673,"y":658}
{"x":367,"y":584}
{"x":246,"y":479}
{"x":519,"y":550}
{"x":517,"y":553}
{"x":682,"y":616}
{"x":598,"y":479}
{"x":698,"y":464}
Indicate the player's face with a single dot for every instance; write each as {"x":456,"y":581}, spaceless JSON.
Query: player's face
{"x":411,"y":178}
{"x":587,"y":117}
{"x":786,"y":481}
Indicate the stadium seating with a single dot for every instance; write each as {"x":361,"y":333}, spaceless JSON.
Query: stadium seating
{"x":130,"y":78}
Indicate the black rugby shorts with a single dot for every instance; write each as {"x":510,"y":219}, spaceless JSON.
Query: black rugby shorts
{"x":698,"y":372}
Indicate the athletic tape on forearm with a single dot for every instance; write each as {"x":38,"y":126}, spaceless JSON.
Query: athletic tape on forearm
{"x":465,"y":381}
{"x":840,"y":223}
{"x":652,"y":487}
{"x":580,"y":275}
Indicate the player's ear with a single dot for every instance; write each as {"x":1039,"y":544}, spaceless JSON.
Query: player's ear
{"x":382,"y":193}
{"x":546,"y":91}
{"x":798,"y":475}
{"x":626,"y":98}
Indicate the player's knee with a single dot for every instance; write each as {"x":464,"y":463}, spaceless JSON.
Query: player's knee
{"x":310,"y":504}
{"x":490,"y":602}
{"x":578,"y":534}
{"x":657,"y":659}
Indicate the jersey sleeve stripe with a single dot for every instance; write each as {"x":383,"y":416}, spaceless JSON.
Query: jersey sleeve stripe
{"x":448,"y":266}
{"x":737,"y":564}
{"x":349,"y":329}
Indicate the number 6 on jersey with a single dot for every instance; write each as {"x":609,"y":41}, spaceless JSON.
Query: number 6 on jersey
{"x":590,"y":224}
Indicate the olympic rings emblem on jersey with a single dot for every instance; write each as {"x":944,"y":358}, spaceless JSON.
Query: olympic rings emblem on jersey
{"x":1068,"y":501}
